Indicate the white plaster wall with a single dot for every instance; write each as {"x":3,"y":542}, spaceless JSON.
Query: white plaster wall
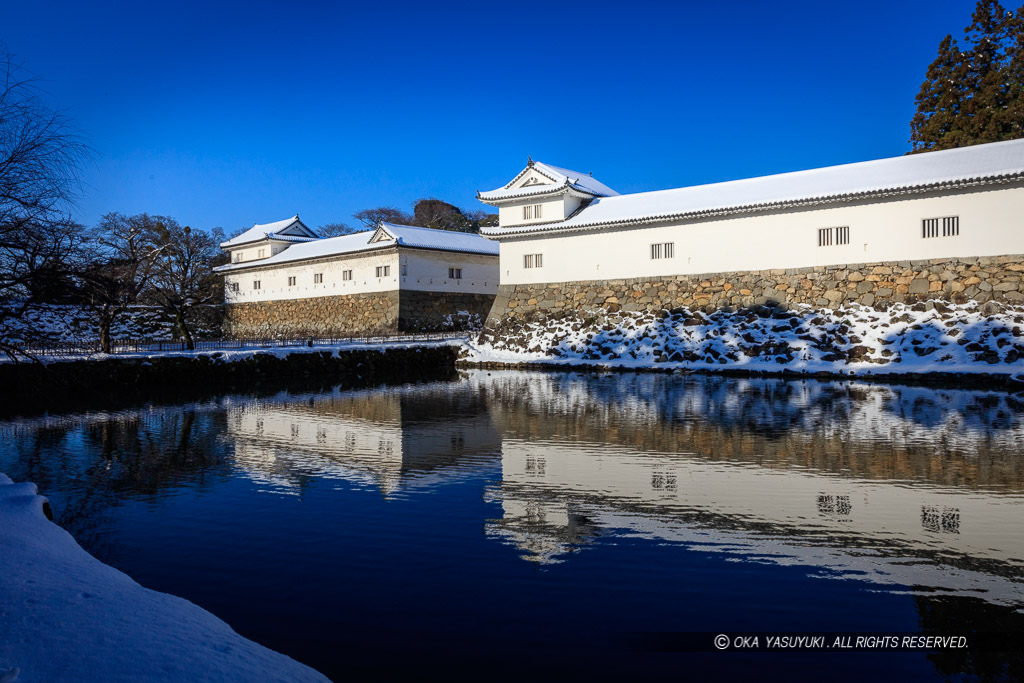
{"x":274,"y":280}
{"x":991,"y":223}
{"x":554,"y":210}
{"x":428,"y":271}
{"x":251,"y":251}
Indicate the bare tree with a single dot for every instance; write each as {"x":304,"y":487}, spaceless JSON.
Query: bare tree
{"x":337,"y":229}
{"x":116,"y":264}
{"x":40,"y":156}
{"x":182,"y":276}
{"x":371,"y":217}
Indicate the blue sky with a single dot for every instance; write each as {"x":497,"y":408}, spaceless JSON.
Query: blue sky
{"x":226,"y":114}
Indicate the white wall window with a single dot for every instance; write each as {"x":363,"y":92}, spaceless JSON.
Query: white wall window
{"x":318,"y":278}
{"x":405,"y":269}
{"x":663,"y":250}
{"x":947,"y":226}
{"x":255,"y":284}
{"x":238,"y":256}
{"x":291,"y":281}
{"x":829,"y":236}
{"x":233,"y":287}
{"x":346,"y":275}
{"x":532,"y":211}
{"x":260,"y":253}
{"x":383,"y":271}
{"x":455,"y":273}
{"x":533,"y":261}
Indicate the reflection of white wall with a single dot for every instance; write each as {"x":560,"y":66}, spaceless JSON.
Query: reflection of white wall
{"x":282,"y":444}
{"x":919,"y":520}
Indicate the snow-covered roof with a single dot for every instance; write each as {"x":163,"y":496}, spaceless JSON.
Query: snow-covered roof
{"x":914,"y":173}
{"x":561,"y":179}
{"x":386,"y":235}
{"x":443,"y":240}
{"x":289,"y":230}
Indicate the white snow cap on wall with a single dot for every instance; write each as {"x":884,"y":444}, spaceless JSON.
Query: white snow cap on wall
{"x":288,"y":230}
{"x":997,"y":160}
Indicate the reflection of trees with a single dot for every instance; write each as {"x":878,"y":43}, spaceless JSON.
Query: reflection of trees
{"x":87,"y":468}
{"x":949,"y":437}
{"x":945,"y":615}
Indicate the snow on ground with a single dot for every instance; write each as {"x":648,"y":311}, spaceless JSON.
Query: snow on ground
{"x":855,"y":339}
{"x":64,"y":615}
{"x":61,"y":323}
{"x":285,"y":349}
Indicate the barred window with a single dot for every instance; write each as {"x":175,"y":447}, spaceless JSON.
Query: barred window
{"x":260,"y":253}
{"x":947,"y":226}
{"x":383,"y":271}
{"x":291,"y":281}
{"x":829,"y":236}
{"x":233,"y":287}
{"x":255,"y":284}
{"x":663,"y":250}
{"x":318,"y":278}
{"x":532,"y":211}
{"x":455,"y":273}
{"x":346,"y":275}
{"x":533,"y":261}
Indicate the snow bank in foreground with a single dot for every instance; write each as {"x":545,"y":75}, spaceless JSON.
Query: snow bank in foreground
{"x":924,"y":337}
{"x":64,"y":615}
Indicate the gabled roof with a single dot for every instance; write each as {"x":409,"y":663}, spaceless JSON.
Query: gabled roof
{"x":428,"y":238}
{"x":993,"y":162}
{"x":562,"y":180}
{"x":385,"y":236}
{"x":289,"y":230}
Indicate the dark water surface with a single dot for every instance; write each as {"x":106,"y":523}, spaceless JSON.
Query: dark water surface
{"x":513,"y":524}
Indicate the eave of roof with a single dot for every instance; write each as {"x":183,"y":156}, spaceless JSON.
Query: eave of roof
{"x":349,"y":246}
{"x":496,"y":197}
{"x":579,"y":226}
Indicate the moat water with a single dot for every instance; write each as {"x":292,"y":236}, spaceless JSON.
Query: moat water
{"x":533,"y":524}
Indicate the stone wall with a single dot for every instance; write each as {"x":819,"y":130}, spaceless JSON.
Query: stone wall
{"x":328,"y":316}
{"x":356,"y":314}
{"x":959,"y":280}
{"x":440,"y":310}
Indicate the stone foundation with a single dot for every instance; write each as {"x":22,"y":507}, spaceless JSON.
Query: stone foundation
{"x":356,"y":314}
{"x":980,"y":279}
{"x":327,"y":316}
{"x":442,"y":310}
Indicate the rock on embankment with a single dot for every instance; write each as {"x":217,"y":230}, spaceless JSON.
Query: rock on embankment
{"x":933,"y":336}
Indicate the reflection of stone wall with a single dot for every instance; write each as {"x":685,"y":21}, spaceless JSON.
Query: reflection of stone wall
{"x":355,"y":314}
{"x":981,"y":279}
{"x":431,"y":310}
{"x":328,"y":316}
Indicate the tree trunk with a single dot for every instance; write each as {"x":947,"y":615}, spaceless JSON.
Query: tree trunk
{"x":105,"y":333}
{"x":186,"y":334}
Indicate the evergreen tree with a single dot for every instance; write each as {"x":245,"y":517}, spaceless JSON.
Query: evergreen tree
{"x":974,"y":95}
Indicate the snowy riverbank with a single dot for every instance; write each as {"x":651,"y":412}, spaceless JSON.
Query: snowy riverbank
{"x":65,"y":616}
{"x":923,"y":338}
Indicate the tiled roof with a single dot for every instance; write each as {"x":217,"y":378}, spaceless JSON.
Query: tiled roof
{"x":560,"y":177}
{"x":401,"y":235}
{"x":913,"y":173}
{"x":267,"y":231}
